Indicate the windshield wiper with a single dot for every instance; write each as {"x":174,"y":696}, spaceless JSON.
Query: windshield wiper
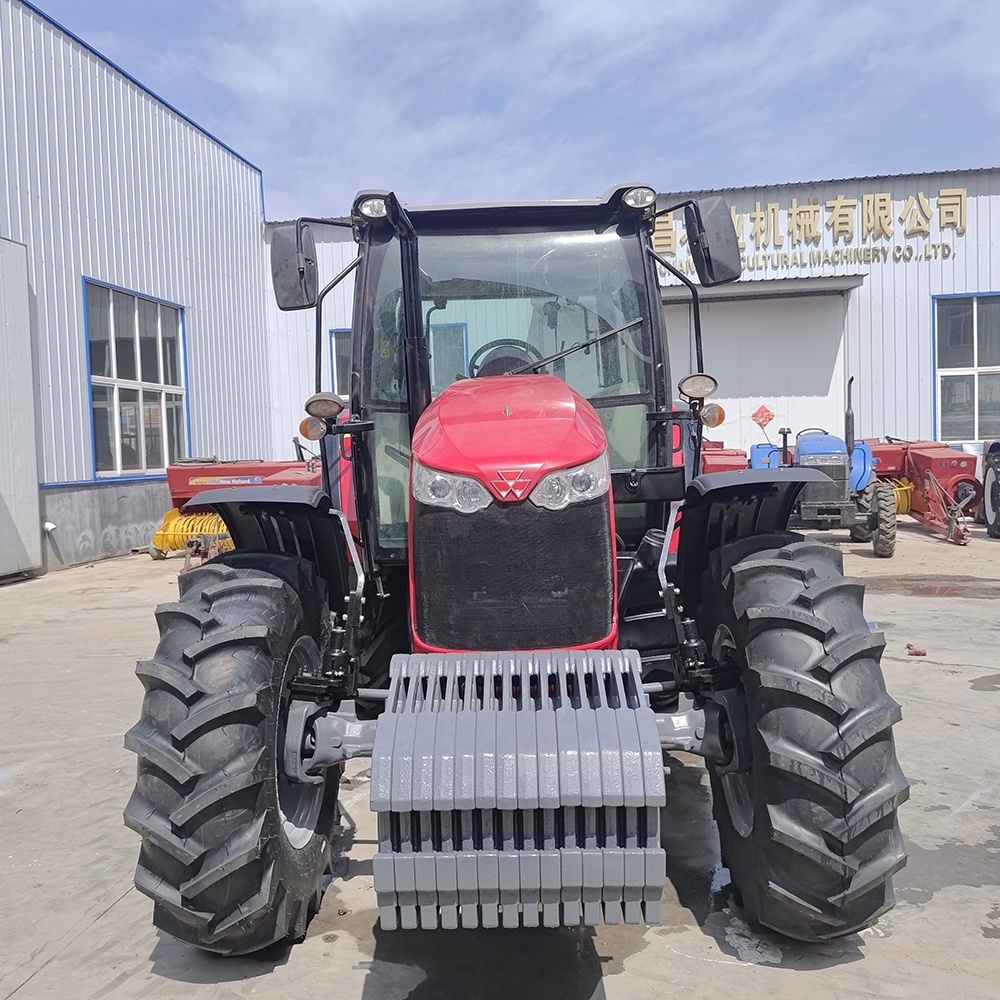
{"x":533,"y":366}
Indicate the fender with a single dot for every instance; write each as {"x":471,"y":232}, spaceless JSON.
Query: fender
{"x":721,"y":507}
{"x":291,"y":520}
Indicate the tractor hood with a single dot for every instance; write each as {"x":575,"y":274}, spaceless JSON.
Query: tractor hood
{"x":508,"y":431}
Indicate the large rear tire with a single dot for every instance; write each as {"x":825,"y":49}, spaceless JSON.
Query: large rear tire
{"x":884,"y":535}
{"x":233,"y":854}
{"x":991,"y":496}
{"x":809,"y":831}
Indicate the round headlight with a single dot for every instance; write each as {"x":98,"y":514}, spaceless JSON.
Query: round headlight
{"x":697,"y":386}
{"x":439,"y":487}
{"x":373,"y":208}
{"x":551,"y":490}
{"x":325,"y":405}
{"x":471,"y":496}
{"x":639,"y":197}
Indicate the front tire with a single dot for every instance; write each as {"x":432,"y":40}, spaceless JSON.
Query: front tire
{"x":991,"y":497}
{"x":884,"y":535}
{"x":809,"y":830}
{"x":233,"y":854}
{"x":866,"y":503}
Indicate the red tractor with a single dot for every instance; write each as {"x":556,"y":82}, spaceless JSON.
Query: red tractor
{"x":537,"y":598}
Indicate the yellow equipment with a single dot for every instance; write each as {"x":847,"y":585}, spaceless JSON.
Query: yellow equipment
{"x":179,"y":532}
{"x":902,"y":488}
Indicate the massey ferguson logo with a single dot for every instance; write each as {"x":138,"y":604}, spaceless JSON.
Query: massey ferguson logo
{"x":510,"y":482}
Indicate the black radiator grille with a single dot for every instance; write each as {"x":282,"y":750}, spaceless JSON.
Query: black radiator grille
{"x":839,"y":487}
{"x":514,"y":576}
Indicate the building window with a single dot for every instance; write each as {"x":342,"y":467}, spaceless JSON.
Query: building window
{"x":136,"y":382}
{"x":340,"y":361}
{"x":968,"y":363}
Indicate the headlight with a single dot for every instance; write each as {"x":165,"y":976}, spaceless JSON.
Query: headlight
{"x":558,"y":490}
{"x":828,"y":459}
{"x":373,"y":208}
{"x":639,"y":197}
{"x":443,"y":489}
{"x":697,"y":386}
{"x":325,"y":406}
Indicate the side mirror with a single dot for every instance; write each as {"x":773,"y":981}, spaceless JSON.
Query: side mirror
{"x":294,"y":274}
{"x":712,"y":239}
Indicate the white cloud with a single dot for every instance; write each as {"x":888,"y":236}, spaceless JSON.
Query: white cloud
{"x":456,"y":100}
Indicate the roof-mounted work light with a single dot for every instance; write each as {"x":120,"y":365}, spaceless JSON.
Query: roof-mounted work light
{"x":639,"y":198}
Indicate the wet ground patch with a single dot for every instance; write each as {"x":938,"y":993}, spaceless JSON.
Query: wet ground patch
{"x":935,"y":586}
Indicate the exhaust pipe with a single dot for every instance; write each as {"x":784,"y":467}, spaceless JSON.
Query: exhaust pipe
{"x":849,"y":422}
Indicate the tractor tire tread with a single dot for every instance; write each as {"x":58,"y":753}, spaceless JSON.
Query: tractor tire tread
{"x":863,"y":646}
{"x":215,"y":860}
{"x":239,"y":851}
{"x":157,"y":750}
{"x":248,"y":774}
{"x":990,"y":491}
{"x":166,"y":614}
{"x":884,"y":535}
{"x":824,"y":840}
{"x":167,"y":677}
{"x":153,"y":826}
{"x":859,"y":728}
{"x":216,"y":712}
{"x":861,"y":532}
{"x":258,"y":635}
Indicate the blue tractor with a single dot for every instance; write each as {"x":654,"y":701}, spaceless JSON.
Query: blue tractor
{"x":854,"y":498}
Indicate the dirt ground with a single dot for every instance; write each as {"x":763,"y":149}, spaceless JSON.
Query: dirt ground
{"x":73,"y":926}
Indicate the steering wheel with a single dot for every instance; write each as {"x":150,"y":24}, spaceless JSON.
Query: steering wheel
{"x":497,"y":357}
{"x":811,"y":430}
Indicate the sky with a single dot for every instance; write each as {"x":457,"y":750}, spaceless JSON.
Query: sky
{"x":453,"y":100}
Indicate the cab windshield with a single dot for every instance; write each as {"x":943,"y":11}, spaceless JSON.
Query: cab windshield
{"x":493,"y":303}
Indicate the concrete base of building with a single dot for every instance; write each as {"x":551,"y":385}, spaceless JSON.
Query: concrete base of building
{"x":82,"y":523}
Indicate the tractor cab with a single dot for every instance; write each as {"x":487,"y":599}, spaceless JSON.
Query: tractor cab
{"x":564,"y":290}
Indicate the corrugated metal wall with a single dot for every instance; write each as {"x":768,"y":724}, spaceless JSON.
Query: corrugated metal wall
{"x":890,"y":318}
{"x":293,"y":338}
{"x":101,"y":180}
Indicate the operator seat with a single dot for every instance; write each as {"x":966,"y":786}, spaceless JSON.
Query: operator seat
{"x":502,"y":360}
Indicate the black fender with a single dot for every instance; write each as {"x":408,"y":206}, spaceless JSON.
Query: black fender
{"x":722,"y":507}
{"x":290,"y":520}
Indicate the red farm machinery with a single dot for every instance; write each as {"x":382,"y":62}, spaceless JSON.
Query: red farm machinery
{"x":532,"y":596}
{"x":201,"y":532}
{"x":933,"y":483}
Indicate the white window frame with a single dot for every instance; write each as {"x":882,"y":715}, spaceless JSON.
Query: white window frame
{"x":138,"y":384}
{"x":975,"y":369}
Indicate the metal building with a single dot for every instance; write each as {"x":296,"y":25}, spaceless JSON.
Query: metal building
{"x":894,"y":280}
{"x":143,"y":270}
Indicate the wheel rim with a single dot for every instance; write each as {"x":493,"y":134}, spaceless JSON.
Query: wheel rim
{"x":298,"y":805}
{"x":738,"y":786}
{"x":990,"y":495}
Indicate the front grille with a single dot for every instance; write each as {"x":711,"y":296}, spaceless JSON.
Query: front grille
{"x":839,"y":487}
{"x":514,"y":576}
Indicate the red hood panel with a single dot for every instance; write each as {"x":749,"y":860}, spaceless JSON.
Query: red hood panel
{"x":508,"y":431}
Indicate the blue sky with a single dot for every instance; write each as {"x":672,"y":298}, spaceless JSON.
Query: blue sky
{"x":451,"y":100}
